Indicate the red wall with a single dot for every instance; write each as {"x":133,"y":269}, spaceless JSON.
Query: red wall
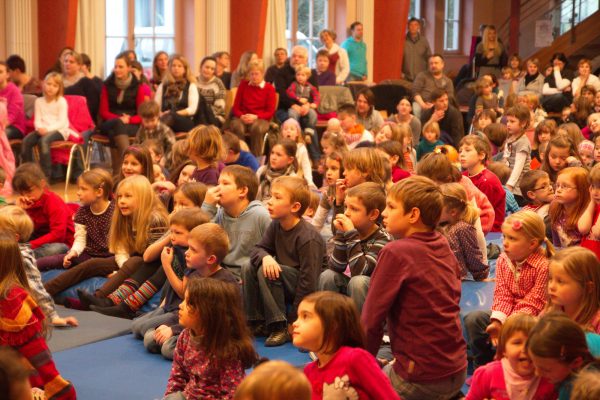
{"x":57,"y":20}
{"x":247,"y":21}
{"x":389,"y":34}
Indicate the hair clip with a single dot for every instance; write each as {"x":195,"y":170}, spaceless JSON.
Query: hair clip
{"x":517,"y":224}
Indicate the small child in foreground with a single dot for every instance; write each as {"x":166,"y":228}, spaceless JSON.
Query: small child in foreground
{"x":274,"y":380}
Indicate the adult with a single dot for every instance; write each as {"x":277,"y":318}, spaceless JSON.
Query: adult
{"x":426,"y":82}
{"x":533,"y":81}
{"x":222,"y":71}
{"x":11,"y":95}
{"x":405,"y":116}
{"x":211,"y":88}
{"x":78,"y":84}
{"x":177,"y":95}
{"x":19,"y":76}
{"x":58,"y":64}
{"x":447,"y":116}
{"x":557,"y":85}
{"x":121,"y":96}
{"x":416,"y":51}
{"x":338,"y":58}
{"x":160,"y":66}
{"x":366,"y":114}
{"x":241,"y":71}
{"x":280,"y":54}
{"x":253,"y":107}
{"x":86,"y":68}
{"x":490,"y":55}
{"x":357,"y":53}
{"x":585,"y":78}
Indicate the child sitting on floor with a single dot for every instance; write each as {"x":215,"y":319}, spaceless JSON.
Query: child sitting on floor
{"x":353,"y":131}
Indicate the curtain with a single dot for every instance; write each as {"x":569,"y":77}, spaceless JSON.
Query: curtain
{"x":274,"y":30}
{"x":91,"y":32}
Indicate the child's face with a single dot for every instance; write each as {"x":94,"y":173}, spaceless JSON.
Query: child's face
{"x":186,"y":174}
{"x":354,"y":177}
{"x":86,"y":193}
{"x":51,"y":88}
{"x":430,"y":136}
{"x":229,"y":193}
{"x":595,"y":192}
{"x":448,"y":215}
{"x":594,"y":123}
{"x":517,"y":246}
{"x":279,"y":158}
{"x":469,"y":157}
{"x":587,"y":157}
{"x":513,"y":126}
{"x":158,"y":173}
{"x":396,"y":221}
{"x":126,"y":201}
{"x":347,"y":121}
{"x":564,"y":291}
{"x":544,"y":136}
{"x":506,"y":75}
{"x":516,"y":354}
{"x":150,"y":123}
{"x":552,"y":369}
{"x":557,"y":157}
{"x":179,"y":235}
{"x":180,"y":201}
{"x":514,"y":63}
{"x":483,"y":121}
{"x":332,"y":171}
{"x":188,"y":317}
{"x":307,"y":329}
{"x":322,"y":63}
{"x":280,"y":204}
{"x":566,"y":190}
{"x":358,"y":214}
{"x":597,"y":151}
{"x":486,"y":90}
{"x":301,"y":77}
{"x":131,"y":166}
{"x":542,"y":193}
{"x":33,"y":194}
{"x":156,"y":157}
{"x":384,"y":134}
{"x":327,"y":148}
{"x":196,"y":256}
{"x":290,"y":131}
{"x":597,"y":99}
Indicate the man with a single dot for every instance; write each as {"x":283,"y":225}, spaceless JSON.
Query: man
{"x":280,"y":56}
{"x":17,"y":74}
{"x":357,"y":53}
{"x":447,"y":116}
{"x":416,"y":51}
{"x":427,"y":81}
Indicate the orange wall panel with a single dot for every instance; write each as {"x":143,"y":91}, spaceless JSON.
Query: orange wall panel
{"x":390,"y":20}
{"x":247,"y":21}
{"x":57,"y":22}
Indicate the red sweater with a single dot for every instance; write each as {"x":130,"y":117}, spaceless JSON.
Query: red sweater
{"x":52,"y":221}
{"x":143,"y":94}
{"x":490,"y":185}
{"x":251,"y":99}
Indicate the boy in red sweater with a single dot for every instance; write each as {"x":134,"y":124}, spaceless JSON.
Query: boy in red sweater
{"x":416,"y":286}
{"x":52,"y":219}
{"x":474,"y":152}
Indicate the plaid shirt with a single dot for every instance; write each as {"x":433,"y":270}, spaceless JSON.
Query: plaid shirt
{"x":34,"y":278}
{"x":520,"y":287}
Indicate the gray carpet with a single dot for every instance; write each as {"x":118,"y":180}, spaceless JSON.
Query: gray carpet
{"x":93,"y":327}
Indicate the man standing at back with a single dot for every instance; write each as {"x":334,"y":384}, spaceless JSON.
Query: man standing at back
{"x":416,"y":51}
{"x":357,"y":53}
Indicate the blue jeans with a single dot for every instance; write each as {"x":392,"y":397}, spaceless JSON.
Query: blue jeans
{"x":356,"y":287}
{"x":442,"y":389}
{"x":50,"y":249}
{"x":479,"y":341}
{"x":43,"y":143}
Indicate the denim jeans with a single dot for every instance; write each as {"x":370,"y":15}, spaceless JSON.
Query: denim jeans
{"x":166,"y":349}
{"x":50,"y":249}
{"x":43,"y":143}
{"x":356,"y":287}
{"x":442,"y":389}
{"x":479,"y":341}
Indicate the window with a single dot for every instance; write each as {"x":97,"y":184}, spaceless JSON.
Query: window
{"x":147,"y":26}
{"x":451,"y":26}
{"x":304,"y":20}
{"x":578,"y":9}
{"x":415,"y":9}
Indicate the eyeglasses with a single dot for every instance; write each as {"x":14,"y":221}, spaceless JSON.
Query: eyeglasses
{"x":560,"y":186}
{"x":544,"y":187}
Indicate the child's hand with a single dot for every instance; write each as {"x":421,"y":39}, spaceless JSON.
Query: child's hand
{"x":343,"y":223}
{"x":271,"y":268}
{"x":24,"y":202}
{"x":70,"y":321}
{"x":37,"y":394}
{"x":163,"y":186}
{"x":68,"y":257}
{"x":162,"y":334}
{"x":340,"y":191}
{"x":493,"y":330}
{"x":303,"y":100}
{"x":166,"y":256}
{"x":213,"y":195}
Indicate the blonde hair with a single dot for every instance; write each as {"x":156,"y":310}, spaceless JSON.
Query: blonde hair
{"x":212,"y":238}
{"x":58,"y":79}
{"x":189,"y":76}
{"x":255,"y":65}
{"x":586,"y":385}
{"x":17,"y":221}
{"x":432,"y":127}
{"x":532,"y":226}
{"x":519,"y":322}
{"x":304,"y":69}
{"x":274,"y":380}
{"x":370,"y":162}
{"x":582,"y":266}
{"x":206,"y":142}
{"x":486,"y":43}
{"x":455,"y":197}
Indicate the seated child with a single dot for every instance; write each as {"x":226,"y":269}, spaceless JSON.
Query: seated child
{"x":430,"y":139}
{"x":502,"y":171}
{"x":586,"y":153}
{"x":544,"y":132}
{"x":274,"y":380}
{"x":588,"y":224}
{"x":313,"y":205}
{"x":571,"y":198}
{"x":234,"y":155}
{"x":206,"y":151}
{"x":159,"y":175}
{"x":305,"y":100}
{"x":357,"y":241}
{"x":486,"y":98}
{"x":152,"y":128}
{"x":353,"y":131}
{"x":282,"y":162}
{"x":393,"y":151}
{"x":497,"y":135}
{"x":538,"y":192}
{"x":334,"y":171}
{"x":324,"y":76}
{"x":482,"y":120}
{"x":290,"y":255}
{"x":290,"y":129}
{"x":52,"y":219}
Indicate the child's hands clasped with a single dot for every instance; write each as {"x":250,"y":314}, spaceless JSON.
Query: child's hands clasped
{"x":271,"y":268}
{"x":162,"y":334}
{"x":342,"y":223}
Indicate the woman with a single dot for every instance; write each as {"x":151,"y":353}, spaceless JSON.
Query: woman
{"x":557,"y":86}
{"x":366,"y":114}
{"x":160,"y":65}
{"x":533,"y":81}
{"x":121,"y":96}
{"x":222,"y":71}
{"x":58,"y":64}
{"x":177,"y":95}
{"x":242,"y":70}
{"x":211,"y":88}
{"x":490,"y":55}
{"x":405,"y":116}
{"x":585,"y":78}
{"x":339,"y":63}
{"x":76,"y":83}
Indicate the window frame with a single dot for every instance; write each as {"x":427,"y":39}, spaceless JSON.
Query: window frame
{"x":292,"y":26}
{"x":416,"y":4}
{"x":457,"y":26}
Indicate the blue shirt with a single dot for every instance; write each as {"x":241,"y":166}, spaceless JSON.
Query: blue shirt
{"x":246,"y":160}
{"x":357,"y":55}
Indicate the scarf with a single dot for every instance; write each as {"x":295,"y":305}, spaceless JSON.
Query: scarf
{"x":122,"y":85}
{"x":173,"y":92}
{"x":517,"y":387}
{"x":530,"y":78}
{"x":268,"y":176}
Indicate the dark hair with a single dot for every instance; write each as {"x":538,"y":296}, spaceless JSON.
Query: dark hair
{"x":322,"y":53}
{"x":393,"y":148}
{"x":521,"y":113}
{"x":354,"y":25}
{"x":142,"y":154}
{"x":189,"y":218}
{"x":243,"y":177}
{"x":561,"y":142}
{"x":496,"y":134}
{"x":85,"y":60}
{"x":347,"y":108}
{"x":529,"y":181}
{"x":2,"y":175}
{"x":149,"y":109}
{"x":436,"y":166}
{"x":370,"y":194}
{"x":438,"y":93}
{"x":15,"y":62}
{"x":436,"y":55}
{"x":208,"y":58}
{"x":370,"y":97}
{"x":502,"y":171}
{"x":290,"y":147}
{"x":27,"y":176}
{"x":559,"y":56}
{"x":414,"y":19}
{"x":279,"y":49}
{"x":219,"y":54}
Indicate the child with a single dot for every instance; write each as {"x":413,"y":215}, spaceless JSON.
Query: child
{"x":287,"y":261}
{"x":409,"y":153}
{"x":159,"y":175}
{"x":290,"y":129}
{"x":215,"y":347}
{"x":14,"y":377}
{"x":329,"y":325}
{"x":311,"y":209}
{"x":473,"y":155}
{"x":157,"y":152}
{"x":544,"y":132}
{"x":597,"y":150}
{"x":457,"y":224}
{"x":22,"y":324}
{"x":282,"y":162}
{"x":496,"y":134}
{"x":333,"y":141}
{"x":274,"y":380}
{"x":430,"y":139}
{"x":392,"y":150}
{"x":188,"y":195}
{"x":424,"y":354}
{"x":574,"y":287}
{"x":588,"y":223}
{"x":521,"y":279}
{"x":517,"y":151}
{"x":512,"y":374}
{"x":52,"y":218}
{"x":486,"y":98}
{"x":137,"y":161}
{"x":354,"y":133}
{"x":358,"y":240}
{"x":560,"y":154}
{"x":560,"y":349}
{"x":538,"y":193}
{"x":334,"y":170}
{"x":206,"y":151}
{"x":572,"y":132}
{"x":482,"y":120}
{"x":324,"y":76}
{"x":586,"y":153}
{"x":305,"y":99}
{"x":389,"y":131}
{"x":571,"y":198}
{"x":502,"y":171}
{"x":51,"y":122}
{"x":234,"y":155}
{"x":152,"y":127}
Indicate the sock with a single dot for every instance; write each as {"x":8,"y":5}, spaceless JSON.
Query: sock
{"x":126,"y":289}
{"x":136,"y":300}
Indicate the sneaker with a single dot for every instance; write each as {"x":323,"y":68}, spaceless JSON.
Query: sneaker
{"x":278,"y":338}
{"x":119,"y":311}
{"x":88,"y":299}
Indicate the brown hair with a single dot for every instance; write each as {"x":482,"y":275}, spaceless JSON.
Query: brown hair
{"x":12,"y":269}
{"x":315,"y":199}
{"x":274,"y":380}
{"x":436,"y":166}
{"x":99,"y":178}
{"x":561,"y":142}
{"x":369,"y":97}
{"x":348,"y":109}
{"x":519,"y":322}
{"x":422,"y":193}
{"x":579,"y":175}
{"x":586,"y":385}
{"x":520,"y":112}
{"x":149,"y":109}
{"x":393,"y":148}
{"x":17,"y":221}
{"x":243,"y":177}
{"x":368,"y":161}
{"x":322,"y":53}
{"x":206,"y":143}
{"x":529,"y":181}
{"x":370,"y":194}
{"x":142,"y":154}
{"x":496,"y":134}
{"x":179,"y":154}
{"x":548,"y":125}
{"x":572,"y":131}
{"x":28,"y":175}
{"x":212,"y":238}
{"x":480,"y":144}
{"x":297,"y":188}
{"x":501,"y":170}
{"x":2,"y":175}
{"x":195,"y":191}
{"x":189,"y":218}
{"x":155,"y":146}
{"x":231,"y":142}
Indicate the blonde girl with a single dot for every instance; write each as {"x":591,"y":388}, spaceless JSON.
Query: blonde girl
{"x":333,"y":141}
{"x":457,"y":223}
{"x":328,"y":324}
{"x":282,"y":162}
{"x":521,"y":282}
{"x":290,"y":129}
{"x":206,"y":151}
{"x":388,"y":131}
{"x":571,"y":198}
{"x":512,"y":373}
{"x":334,"y":170}
{"x":51,"y":122}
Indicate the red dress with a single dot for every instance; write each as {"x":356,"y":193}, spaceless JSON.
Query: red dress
{"x":588,"y":242}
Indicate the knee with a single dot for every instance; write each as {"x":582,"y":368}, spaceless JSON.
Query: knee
{"x":326,"y":279}
{"x":475,"y":320}
{"x":359,"y":283}
{"x":149,"y":342}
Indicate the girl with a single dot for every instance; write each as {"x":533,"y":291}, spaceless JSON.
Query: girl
{"x":22,"y":326}
{"x":388,"y":131}
{"x":512,"y":375}
{"x":521,"y":279}
{"x":544,"y":132}
{"x":242,"y":69}
{"x":594,"y":125}
{"x":328,"y":324}
{"x":178,"y":177}
{"x":409,"y":153}
{"x":92,"y":222}
{"x":282,"y":162}
{"x":137,"y":161}
{"x":392,"y":150}
{"x":290,"y":129}
{"x":571,"y":131}
{"x":206,"y":151}
{"x":560,"y":349}
{"x":574,"y":286}
{"x":586,"y":153}
{"x":457,"y":224}
{"x":51,"y":122}
{"x":333,"y":142}
{"x":215,"y":347}
{"x":571,"y":198}
{"x":190,"y":194}
{"x":334,"y":170}
{"x":560,"y":154}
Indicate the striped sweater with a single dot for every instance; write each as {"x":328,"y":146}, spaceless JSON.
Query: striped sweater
{"x":359,"y":255}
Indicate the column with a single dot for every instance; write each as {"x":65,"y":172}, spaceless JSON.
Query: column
{"x":217,"y":22}
{"x":21,"y":29}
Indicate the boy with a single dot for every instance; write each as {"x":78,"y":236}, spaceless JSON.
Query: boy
{"x":244,"y":219}
{"x":313,"y":204}
{"x":417,"y":279}
{"x":473,"y":155}
{"x":2,"y":181}
{"x":305,"y":100}
{"x":517,"y":150}
{"x":234,"y":155}
{"x":286,"y":263}
{"x":503,"y":172}
{"x":430,"y":139}
{"x":153,"y":128}
{"x":324,"y":76}
{"x":538,"y":192}
{"x":354,"y":133}
{"x":358,"y":240}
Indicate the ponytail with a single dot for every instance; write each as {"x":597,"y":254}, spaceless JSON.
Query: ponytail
{"x":550,"y":250}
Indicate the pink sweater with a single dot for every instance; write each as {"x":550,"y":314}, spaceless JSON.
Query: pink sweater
{"x":15,"y":106}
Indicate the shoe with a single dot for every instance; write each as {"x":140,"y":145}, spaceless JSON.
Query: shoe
{"x":278,"y":338}
{"x":88,"y":299}
{"x":119,"y":311}
{"x":259,"y":330}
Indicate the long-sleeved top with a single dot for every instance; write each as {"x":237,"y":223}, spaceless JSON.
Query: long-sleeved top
{"x":326,"y":78}
{"x":462,"y":238}
{"x":416,"y":54}
{"x":34,"y":278}
{"x":555,"y":83}
{"x":511,"y":203}
{"x":14,"y":105}
{"x":530,"y":83}
{"x":52,"y":221}
{"x":91,"y":90}
{"x":190,"y":104}
{"x":301,"y":247}
{"x":296,"y":91}
{"x":255,"y":99}
{"x":52,"y":115}
{"x":520,"y":287}
{"x":425,"y":84}
{"x":491,"y":186}
{"x":425,"y":147}
{"x":246,"y":159}
{"x":162,"y":134}
{"x":91,"y":231}
{"x":415,"y":126}
{"x":213,"y":92}
{"x":517,"y":156}
{"x":359,"y":255}
{"x":404,"y":291}
{"x":492,"y":65}
{"x":134,"y":95}
{"x":372,"y":122}
{"x":357,"y":56}
{"x":338,"y":58}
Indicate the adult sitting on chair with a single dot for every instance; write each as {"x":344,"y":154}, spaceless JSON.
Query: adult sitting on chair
{"x":121,"y":96}
{"x":447,"y":116}
{"x":426,"y":82}
{"x":253,"y":107}
{"x":76,"y":83}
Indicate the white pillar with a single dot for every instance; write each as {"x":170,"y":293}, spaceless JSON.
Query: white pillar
{"x":217,"y":26}
{"x":21,"y":29}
